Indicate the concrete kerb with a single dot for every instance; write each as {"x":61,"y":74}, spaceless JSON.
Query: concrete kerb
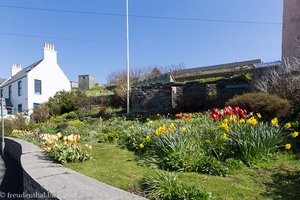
{"x":46,"y":179}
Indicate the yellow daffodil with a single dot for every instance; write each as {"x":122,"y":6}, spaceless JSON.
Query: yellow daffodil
{"x":129,"y":135}
{"x":141,"y":146}
{"x":131,"y":127}
{"x":171,"y":127}
{"x":288,"y":125}
{"x":252,"y":121}
{"x":224,"y":136}
{"x":233,"y":118}
{"x":241,"y":121}
{"x":182,"y":129}
{"x":295,"y":134}
{"x":274,"y":121}
{"x":287,"y":146}
{"x":258,"y":115}
{"x":225,"y":126}
{"x":160,"y":130}
{"x":90,"y":147}
{"x":148,"y":138}
{"x":225,"y":121}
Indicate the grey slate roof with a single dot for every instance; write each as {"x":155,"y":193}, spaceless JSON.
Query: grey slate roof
{"x":2,"y":80}
{"x":21,"y":73}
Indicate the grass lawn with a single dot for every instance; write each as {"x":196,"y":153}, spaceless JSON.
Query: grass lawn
{"x":278,"y":178}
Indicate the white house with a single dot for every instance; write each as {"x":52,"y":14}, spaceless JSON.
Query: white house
{"x":33,"y":85}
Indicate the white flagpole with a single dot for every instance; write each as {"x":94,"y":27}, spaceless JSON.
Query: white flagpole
{"x":127,"y":57}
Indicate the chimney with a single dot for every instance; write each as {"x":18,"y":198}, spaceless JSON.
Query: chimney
{"x":49,"y":52}
{"x":15,"y":68}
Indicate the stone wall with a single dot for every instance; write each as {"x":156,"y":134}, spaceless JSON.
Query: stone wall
{"x":191,"y":96}
{"x":45,"y":179}
{"x":153,"y":98}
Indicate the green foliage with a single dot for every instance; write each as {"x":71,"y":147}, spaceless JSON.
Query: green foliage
{"x":269,"y":106}
{"x":10,"y":124}
{"x":69,"y":153}
{"x":65,"y":102}
{"x":252,"y":142}
{"x":98,"y":91}
{"x":167,"y":186}
{"x":40,"y":114}
{"x":209,"y":165}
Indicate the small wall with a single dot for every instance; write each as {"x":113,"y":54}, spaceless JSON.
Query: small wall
{"x":190,"y":96}
{"x":46,"y":179}
{"x":153,"y":98}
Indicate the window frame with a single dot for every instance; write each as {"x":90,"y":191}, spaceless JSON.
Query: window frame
{"x":37,"y":90}
{"x":19,"y":88}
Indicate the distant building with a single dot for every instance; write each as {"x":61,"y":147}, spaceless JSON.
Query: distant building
{"x":29,"y":87}
{"x":86,"y":82}
{"x":291,"y":29}
{"x":74,"y":85}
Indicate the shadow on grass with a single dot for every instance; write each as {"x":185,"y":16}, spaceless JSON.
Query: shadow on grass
{"x":284,"y":185}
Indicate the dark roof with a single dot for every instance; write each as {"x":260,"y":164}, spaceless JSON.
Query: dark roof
{"x":21,"y":73}
{"x":221,"y":66}
{"x":2,"y":80}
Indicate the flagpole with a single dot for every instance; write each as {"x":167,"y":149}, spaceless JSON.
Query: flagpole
{"x":127,"y":58}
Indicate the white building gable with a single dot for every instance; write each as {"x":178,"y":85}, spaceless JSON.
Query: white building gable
{"x":34,"y":84}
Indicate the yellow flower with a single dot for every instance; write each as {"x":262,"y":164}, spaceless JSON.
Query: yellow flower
{"x":59,"y":135}
{"x":182,"y":129}
{"x":233,"y":118}
{"x":90,"y":147}
{"x":129,"y":135}
{"x":287,"y":146}
{"x":225,"y":121}
{"x":160,"y":130}
{"x":295,"y":134}
{"x":141,"y":145}
{"x":148,"y":138}
{"x":288,"y":125}
{"x":171,"y":127}
{"x":225,"y":126}
{"x":224,"y":136}
{"x":252,"y":121}
{"x":258,"y":115}
{"x":131,"y":127}
{"x":241,"y":121}
{"x":274,"y":121}
{"x":207,"y":141}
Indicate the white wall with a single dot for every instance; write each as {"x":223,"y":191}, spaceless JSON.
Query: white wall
{"x":15,"y":99}
{"x":53,"y":80}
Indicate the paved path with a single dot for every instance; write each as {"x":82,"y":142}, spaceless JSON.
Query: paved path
{"x":11,"y":178}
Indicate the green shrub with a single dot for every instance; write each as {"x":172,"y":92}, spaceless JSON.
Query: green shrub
{"x":210,"y":165}
{"x":269,"y":106}
{"x":252,"y":142}
{"x":40,"y":114}
{"x":167,"y":186}
{"x":16,"y":123}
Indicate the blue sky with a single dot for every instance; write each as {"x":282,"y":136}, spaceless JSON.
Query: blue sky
{"x":95,"y":43}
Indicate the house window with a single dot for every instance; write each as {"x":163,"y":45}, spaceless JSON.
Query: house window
{"x":35,"y":105}
{"x":1,"y":93}
{"x":20,"y":109}
{"x":37,"y":86}
{"x":9,"y":92}
{"x":19,"y":88}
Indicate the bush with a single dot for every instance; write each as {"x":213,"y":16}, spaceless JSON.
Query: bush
{"x":65,"y":102}
{"x":270,"y":106}
{"x":167,"y":186}
{"x":10,"y":124}
{"x":210,"y":165}
{"x":40,"y":114}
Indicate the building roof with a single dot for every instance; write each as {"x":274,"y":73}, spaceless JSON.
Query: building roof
{"x":21,"y":73}
{"x":2,"y":80}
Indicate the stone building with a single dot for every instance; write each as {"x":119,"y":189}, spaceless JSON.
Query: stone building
{"x":86,"y":82}
{"x":291,"y":29}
